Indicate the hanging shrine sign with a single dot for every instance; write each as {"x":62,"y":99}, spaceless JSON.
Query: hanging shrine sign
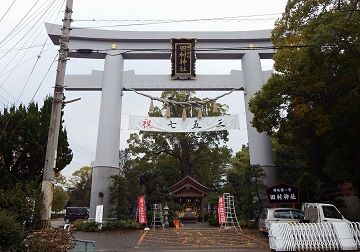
{"x":283,"y":193}
{"x":175,"y":124}
{"x":141,"y":210}
{"x":221,"y":210}
{"x":183,"y":59}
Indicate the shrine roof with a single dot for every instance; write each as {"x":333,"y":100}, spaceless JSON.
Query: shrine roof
{"x":188,"y":180}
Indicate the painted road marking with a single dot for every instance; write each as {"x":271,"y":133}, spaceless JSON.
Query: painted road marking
{"x":140,"y":239}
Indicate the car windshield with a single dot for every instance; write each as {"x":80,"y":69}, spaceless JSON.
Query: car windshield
{"x":331,"y":212}
{"x":282,"y":214}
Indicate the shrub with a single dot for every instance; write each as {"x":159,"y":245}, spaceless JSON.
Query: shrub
{"x":50,"y":240}
{"x":11,"y":233}
{"x":111,"y":225}
{"x":21,"y":202}
{"x":128,"y":224}
{"x":213,"y":221}
{"x":119,"y":224}
{"x":173,"y":208}
{"x":86,"y":226}
{"x":79,"y":224}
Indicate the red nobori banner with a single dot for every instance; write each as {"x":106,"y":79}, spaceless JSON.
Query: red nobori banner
{"x":141,"y":210}
{"x":221,"y":210}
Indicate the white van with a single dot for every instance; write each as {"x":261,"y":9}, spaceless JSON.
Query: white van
{"x":320,"y":212}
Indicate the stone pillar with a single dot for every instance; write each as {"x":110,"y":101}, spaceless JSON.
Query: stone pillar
{"x":259,"y":143}
{"x":108,"y":139}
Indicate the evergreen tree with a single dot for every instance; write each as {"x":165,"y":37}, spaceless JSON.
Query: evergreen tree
{"x":23,"y":140}
{"x":311,"y":104}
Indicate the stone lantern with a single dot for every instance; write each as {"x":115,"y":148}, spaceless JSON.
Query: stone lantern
{"x":166,"y":214}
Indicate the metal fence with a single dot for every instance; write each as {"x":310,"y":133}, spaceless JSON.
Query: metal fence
{"x":355,"y":230}
{"x":83,"y":246}
{"x":314,"y":236}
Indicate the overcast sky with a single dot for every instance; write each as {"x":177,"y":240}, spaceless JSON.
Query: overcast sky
{"x":26,"y":55}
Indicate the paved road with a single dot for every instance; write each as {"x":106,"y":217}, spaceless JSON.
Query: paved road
{"x":189,"y":238}
{"x":177,"y":240}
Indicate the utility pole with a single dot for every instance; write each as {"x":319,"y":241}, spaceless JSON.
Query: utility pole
{"x":47,"y":187}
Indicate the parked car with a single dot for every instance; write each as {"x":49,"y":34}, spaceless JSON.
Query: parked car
{"x":320,"y":212}
{"x":278,"y":215}
{"x":76,"y":213}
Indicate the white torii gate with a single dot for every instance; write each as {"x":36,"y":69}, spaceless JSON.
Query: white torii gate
{"x":116,"y":46}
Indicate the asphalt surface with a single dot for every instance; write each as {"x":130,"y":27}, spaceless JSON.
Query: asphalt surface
{"x":188,"y":238}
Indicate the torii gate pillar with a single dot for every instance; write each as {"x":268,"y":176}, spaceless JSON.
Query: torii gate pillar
{"x":108,"y":139}
{"x":259,"y":143}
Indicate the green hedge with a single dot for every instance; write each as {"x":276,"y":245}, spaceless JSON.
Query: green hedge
{"x":92,"y":226}
{"x":86,"y":226}
{"x":119,"y":224}
{"x":12,"y":234}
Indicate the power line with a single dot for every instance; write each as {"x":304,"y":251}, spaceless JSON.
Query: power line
{"x":7,"y":10}
{"x":5,"y":100}
{"x":31,"y":28}
{"x":170,"y":21}
{"x":8,"y":93}
{"x":29,"y":59}
{"x":81,"y":164}
{"x":14,"y":29}
{"x":37,"y":89}
{"x":16,"y":54}
{"x":183,"y":20}
{"x":24,"y":47}
{"x":82,"y":149}
{"x":28,"y":21}
{"x":210,"y":49}
{"x":25,"y":24}
{"x":37,"y":60}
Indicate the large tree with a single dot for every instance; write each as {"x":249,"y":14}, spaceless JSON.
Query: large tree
{"x":79,"y":187}
{"x":312,"y":102}
{"x":23,"y":139}
{"x":244,"y":181}
{"x":200,"y":155}
{"x":60,"y":199}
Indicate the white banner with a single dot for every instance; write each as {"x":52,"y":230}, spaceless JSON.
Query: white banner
{"x":99,"y":213}
{"x":194,"y":124}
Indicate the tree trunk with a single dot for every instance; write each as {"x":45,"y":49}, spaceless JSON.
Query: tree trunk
{"x":185,"y":158}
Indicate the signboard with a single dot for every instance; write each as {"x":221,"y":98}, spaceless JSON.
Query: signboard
{"x":221,"y":210}
{"x":283,"y":193}
{"x":183,"y":59}
{"x":141,"y":210}
{"x":163,"y":124}
{"x":99,"y":213}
